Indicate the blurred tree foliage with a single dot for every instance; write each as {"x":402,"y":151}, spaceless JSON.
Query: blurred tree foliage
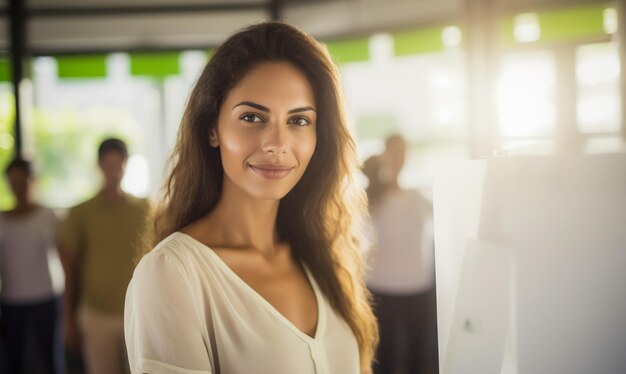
{"x":63,"y":145}
{"x":7,"y":141}
{"x":66,"y":146}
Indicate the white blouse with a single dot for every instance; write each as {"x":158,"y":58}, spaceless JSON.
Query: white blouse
{"x":188,"y":312}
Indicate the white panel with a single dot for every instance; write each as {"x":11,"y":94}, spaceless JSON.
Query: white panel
{"x":557,"y":223}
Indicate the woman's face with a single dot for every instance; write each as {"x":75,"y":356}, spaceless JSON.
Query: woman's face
{"x":266,"y":131}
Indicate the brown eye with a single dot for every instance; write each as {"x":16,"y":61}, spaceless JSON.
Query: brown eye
{"x":251,"y":117}
{"x":299,"y":121}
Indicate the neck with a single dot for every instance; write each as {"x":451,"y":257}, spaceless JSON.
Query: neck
{"x":239,"y":220}
{"x":23,"y":204}
{"x":394,"y":185}
{"x":113,"y":193}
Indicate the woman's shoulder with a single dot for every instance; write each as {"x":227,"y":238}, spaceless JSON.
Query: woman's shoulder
{"x":173,"y":248}
{"x":164,"y":264}
{"x":177,"y":265}
{"x":176,"y":251}
{"x":168,"y":246}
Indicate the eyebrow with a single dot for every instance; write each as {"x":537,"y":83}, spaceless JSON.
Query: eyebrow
{"x":266,"y":109}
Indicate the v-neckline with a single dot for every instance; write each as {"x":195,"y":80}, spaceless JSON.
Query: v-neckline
{"x":321,"y":317}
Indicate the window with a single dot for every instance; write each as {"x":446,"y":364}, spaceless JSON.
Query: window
{"x":598,"y":88}
{"x":527,"y":95}
{"x":71,"y":117}
{"x":421,"y":96}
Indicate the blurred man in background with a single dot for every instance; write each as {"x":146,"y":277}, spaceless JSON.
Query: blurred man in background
{"x":99,"y":241}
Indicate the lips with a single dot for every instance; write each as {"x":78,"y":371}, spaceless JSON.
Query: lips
{"x":271,"y":171}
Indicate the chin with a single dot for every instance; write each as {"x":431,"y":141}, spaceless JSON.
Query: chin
{"x":268,"y":195}
{"x":265,"y":190}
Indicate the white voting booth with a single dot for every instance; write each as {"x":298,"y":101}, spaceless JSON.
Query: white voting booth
{"x":531,"y":265}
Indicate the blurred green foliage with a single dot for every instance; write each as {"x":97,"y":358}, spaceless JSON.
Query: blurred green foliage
{"x":7,"y":140}
{"x":66,"y":146}
{"x":65,"y":143}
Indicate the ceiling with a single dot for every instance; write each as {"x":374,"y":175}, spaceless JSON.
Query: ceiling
{"x":69,"y":26}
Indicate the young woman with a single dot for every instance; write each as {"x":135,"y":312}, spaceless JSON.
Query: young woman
{"x":257,"y":267}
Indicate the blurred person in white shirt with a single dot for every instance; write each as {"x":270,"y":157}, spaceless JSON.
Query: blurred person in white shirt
{"x":31,"y":277}
{"x":401,"y":275}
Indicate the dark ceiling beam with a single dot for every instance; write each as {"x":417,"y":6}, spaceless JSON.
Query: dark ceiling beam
{"x":63,"y":11}
{"x":97,"y":11}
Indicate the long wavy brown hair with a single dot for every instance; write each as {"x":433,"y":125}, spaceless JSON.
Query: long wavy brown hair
{"x":322,"y":215}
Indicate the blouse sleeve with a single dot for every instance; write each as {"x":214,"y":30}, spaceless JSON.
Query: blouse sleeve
{"x":162,"y":326}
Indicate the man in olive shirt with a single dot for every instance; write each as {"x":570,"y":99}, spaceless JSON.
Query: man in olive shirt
{"x":99,"y":241}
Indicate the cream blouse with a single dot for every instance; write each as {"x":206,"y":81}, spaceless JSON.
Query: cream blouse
{"x":188,"y":312}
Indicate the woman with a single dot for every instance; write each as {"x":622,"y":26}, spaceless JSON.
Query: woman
{"x":31,"y":277}
{"x":258,"y":267}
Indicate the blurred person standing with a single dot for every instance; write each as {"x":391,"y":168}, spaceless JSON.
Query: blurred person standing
{"x":401,"y":277}
{"x":99,"y":241}
{"x":31,"y":288}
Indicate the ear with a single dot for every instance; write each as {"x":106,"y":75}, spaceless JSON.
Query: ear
{"x":213,"y":139}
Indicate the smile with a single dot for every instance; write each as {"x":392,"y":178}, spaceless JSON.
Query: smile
{"x":272,"y":171}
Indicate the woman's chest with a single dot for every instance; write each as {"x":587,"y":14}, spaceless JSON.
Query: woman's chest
{"x":250,"y":338}
{"x":252,"y":324}
{"x":281,"y":286}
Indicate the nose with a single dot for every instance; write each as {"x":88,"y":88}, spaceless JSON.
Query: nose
{"x":275,"y":141}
